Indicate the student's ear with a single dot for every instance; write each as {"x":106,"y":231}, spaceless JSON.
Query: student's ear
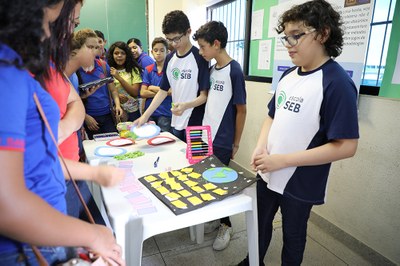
{"x":217,"y":44}
{"x":189,"y":31}
{"x":322,"y":38}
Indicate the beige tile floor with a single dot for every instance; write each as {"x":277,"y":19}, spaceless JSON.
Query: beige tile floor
{"x":325,"y":246}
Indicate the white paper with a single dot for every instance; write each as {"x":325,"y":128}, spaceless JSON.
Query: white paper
{"x":396,"y":73}
{"x":274,"y":13}
{"x":257,"y":21}
{"x":264,"y":55}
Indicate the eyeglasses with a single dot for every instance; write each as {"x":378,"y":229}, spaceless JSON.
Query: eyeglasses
{"x":292,"y":40}
{"x":176,"y":40}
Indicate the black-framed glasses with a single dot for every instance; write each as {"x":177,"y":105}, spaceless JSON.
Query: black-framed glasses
{"x":292,"y":40}
{"x":176,"y":40}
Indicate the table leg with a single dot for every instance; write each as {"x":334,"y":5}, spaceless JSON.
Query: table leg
{"x":252,"y":227}
{"x":134,"y":240}
{"x":199,"y":233}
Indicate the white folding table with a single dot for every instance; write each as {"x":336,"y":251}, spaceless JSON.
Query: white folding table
{"x":132,"y":225}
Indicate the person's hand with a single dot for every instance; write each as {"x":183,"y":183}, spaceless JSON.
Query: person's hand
{"x":178,"y":109}
{"x":257,"y":151}
{"x":91,"y":123}
{"x":140,"y":121}
{"x":114,"y":73}
{"x":234,"y":151}
{"x":106,"y":246}
{"x":89,"y":92}
{"x":118,"y":110}
{"x":108,"y":176}
{"x":268,"y":163}
{"x":154,"y":89}
{"x":122,"y":98}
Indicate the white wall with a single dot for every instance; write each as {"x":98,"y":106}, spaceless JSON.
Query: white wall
{"x":364,"y":191}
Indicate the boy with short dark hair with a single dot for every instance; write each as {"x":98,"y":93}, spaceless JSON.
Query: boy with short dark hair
{"x":102,"y":43}
{"x":312,"y":122}
{"x":152,"y":75}
{"x":186,"y":73}
{"x":225,"y":110}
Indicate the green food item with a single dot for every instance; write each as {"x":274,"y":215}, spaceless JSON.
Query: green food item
{"x":129,"y":155}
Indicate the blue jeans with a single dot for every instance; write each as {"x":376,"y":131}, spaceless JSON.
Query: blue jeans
{"x":295,"y":215}
{"x":106,"y":125}
{"x":53,"y":255}
{"x":164,"y":122}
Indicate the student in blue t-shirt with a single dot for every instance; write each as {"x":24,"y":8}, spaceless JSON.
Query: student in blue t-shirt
{"x":152,"y":75}
{"x":32,"y":186}
{"x":186,"y":73}
{"x":225,"y":109}
{"x":98,"y":117}
{"x":312,"y":122}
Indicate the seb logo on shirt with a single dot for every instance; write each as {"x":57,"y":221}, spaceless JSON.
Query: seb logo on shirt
{"x":217,"y":85}
{"x":181,"y":74}
{"x":292,"y":104}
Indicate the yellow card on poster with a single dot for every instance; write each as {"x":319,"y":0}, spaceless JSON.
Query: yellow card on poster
{"x":220,"y":191}
{"x":198,"y":189}
{"x":179,"y":204}
{"x":162,"y":190}
{"x":207,"y":196}
{"x":195,"y":200}
{"x":176,"y":173}
{"x":172,"y":196}
{"x":209,"y":186}
{"x":182,"y":178}
{"x":187,"y":170}
{"x":194,"y":175}
{"x":176,"y":186}
{"x":190,"y":183}
{"x":150,"y":178}
{"x":185,"y":193}
{"x":164,"y":175}
{"x":156,"y":184}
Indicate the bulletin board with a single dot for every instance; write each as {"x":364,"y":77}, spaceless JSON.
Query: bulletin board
{"x":261,"y":7}
{"x":268,"y":58}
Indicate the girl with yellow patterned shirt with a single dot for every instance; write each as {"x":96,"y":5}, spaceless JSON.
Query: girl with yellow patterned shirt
{"x":126,"y":73}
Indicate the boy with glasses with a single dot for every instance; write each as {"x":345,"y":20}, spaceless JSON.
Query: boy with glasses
{"x":186,"y":73}
{"x":312,"y":122}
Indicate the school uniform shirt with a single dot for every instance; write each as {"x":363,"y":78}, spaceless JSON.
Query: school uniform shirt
{"x":132,"y":104}
{"x":23,"y":130}
{"x":309,"y":109}
{"x":98,"y":103}
{"x":227,"y":89}
{"x":60,"y":88}
{"x":145,"y":60}
{"x":151,"y":77}
{"x":186,"y":75}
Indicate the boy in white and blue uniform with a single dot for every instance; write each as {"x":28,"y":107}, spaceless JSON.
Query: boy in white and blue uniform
{"x":185,"y":73}
{"x":312,"y":121}
{"x":225,"y":109}
{"x":152,"y":76}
